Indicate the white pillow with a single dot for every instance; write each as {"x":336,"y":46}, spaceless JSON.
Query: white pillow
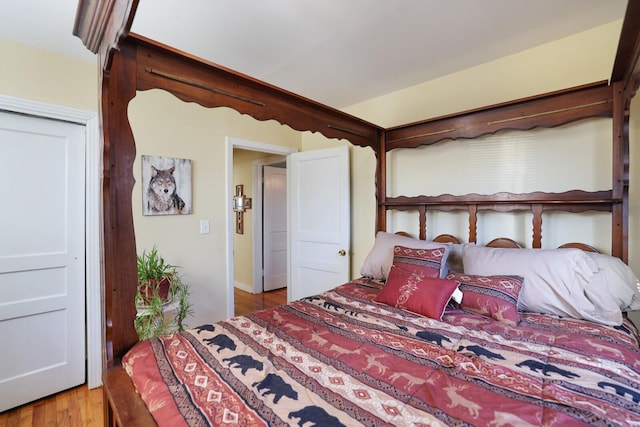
{"x":378,"y":262}
{"x":454,"y":260}
{"x":615,"y":281}
{"x":555,"y":280}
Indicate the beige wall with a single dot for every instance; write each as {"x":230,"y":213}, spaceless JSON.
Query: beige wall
{"x":165,"y":126}
{"x":38,"y":75}
{"x":578,"y":59}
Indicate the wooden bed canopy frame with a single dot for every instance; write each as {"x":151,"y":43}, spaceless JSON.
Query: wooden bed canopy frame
{"x":130,"y":63}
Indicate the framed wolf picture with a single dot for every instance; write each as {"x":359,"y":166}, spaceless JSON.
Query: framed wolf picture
{"x":166,"y":185}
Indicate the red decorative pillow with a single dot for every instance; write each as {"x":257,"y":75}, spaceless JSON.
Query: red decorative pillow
{"x":412,"y":291}
{"x":491,"y":296}
{"x":425,"y":262}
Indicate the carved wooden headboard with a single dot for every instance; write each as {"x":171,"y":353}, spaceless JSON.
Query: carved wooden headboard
{"x":130,"y":63}
{"x":548,"y":110}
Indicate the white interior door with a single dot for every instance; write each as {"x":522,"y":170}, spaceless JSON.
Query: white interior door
{"x":42,"y":319}
{"x":274,"y":228}
{"x":319,"y":220}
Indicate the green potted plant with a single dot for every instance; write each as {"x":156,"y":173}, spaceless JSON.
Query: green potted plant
{"x":154,"y":276}
{"x":162,"y":299}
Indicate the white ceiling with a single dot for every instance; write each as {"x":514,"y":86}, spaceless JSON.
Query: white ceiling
{"x":338,"y":52}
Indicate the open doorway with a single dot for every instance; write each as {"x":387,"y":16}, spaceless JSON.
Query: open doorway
{"x":248,"y":264}
{"x":260,"y":247}
{"x":274,"y":229}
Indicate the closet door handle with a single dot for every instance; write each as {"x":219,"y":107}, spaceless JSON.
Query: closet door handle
{"x":342,"y":252}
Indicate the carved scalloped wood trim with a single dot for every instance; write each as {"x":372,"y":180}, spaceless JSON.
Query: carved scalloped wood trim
{"x":539,"y":197}
{"x":193,"y":79}
{"x":546,"y":110}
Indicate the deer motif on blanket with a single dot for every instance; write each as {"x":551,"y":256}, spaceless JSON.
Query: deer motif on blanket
{"x":322,"y":342}
{"x":600,"y":348}
{"x":318,"y":339}
{"x":412,"y":380}
{"x":452,"y":391}
{"x":373,"y":362}
{"x":507,"y":419}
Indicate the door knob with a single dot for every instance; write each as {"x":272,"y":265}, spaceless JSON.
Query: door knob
{"x":342,"y":252}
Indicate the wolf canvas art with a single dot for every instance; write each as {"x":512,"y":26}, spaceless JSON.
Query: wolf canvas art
{"x":166,"y":185}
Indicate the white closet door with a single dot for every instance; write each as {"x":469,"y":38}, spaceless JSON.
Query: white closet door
{"x":42,"y":315}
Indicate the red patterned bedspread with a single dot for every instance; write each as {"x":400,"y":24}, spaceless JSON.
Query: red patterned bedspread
{"x":339,"y":359}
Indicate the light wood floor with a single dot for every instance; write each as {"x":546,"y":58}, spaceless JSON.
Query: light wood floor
{"x":75,"y":407}
{"x":246,"y":302}
{"x":80,"y":406}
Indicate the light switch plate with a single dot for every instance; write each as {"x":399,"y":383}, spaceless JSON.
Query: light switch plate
{"x":204,"y":226}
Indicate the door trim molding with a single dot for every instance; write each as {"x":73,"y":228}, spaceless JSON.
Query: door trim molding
{"x":230,"y":219}
{"x":94,"y":283}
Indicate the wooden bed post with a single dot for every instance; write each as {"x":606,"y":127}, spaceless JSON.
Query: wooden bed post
{"x":620,"y":179}
{"x":422,"y":213}
{"x":381,"y":183}
{"x":537,"y":225}
{"x":118,"y":88}
{"x":102,"y":26}
{"x":473,"y":221}
{"x":625,"y":79}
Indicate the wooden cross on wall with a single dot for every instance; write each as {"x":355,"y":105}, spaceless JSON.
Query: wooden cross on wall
{"x":240,"y":204}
